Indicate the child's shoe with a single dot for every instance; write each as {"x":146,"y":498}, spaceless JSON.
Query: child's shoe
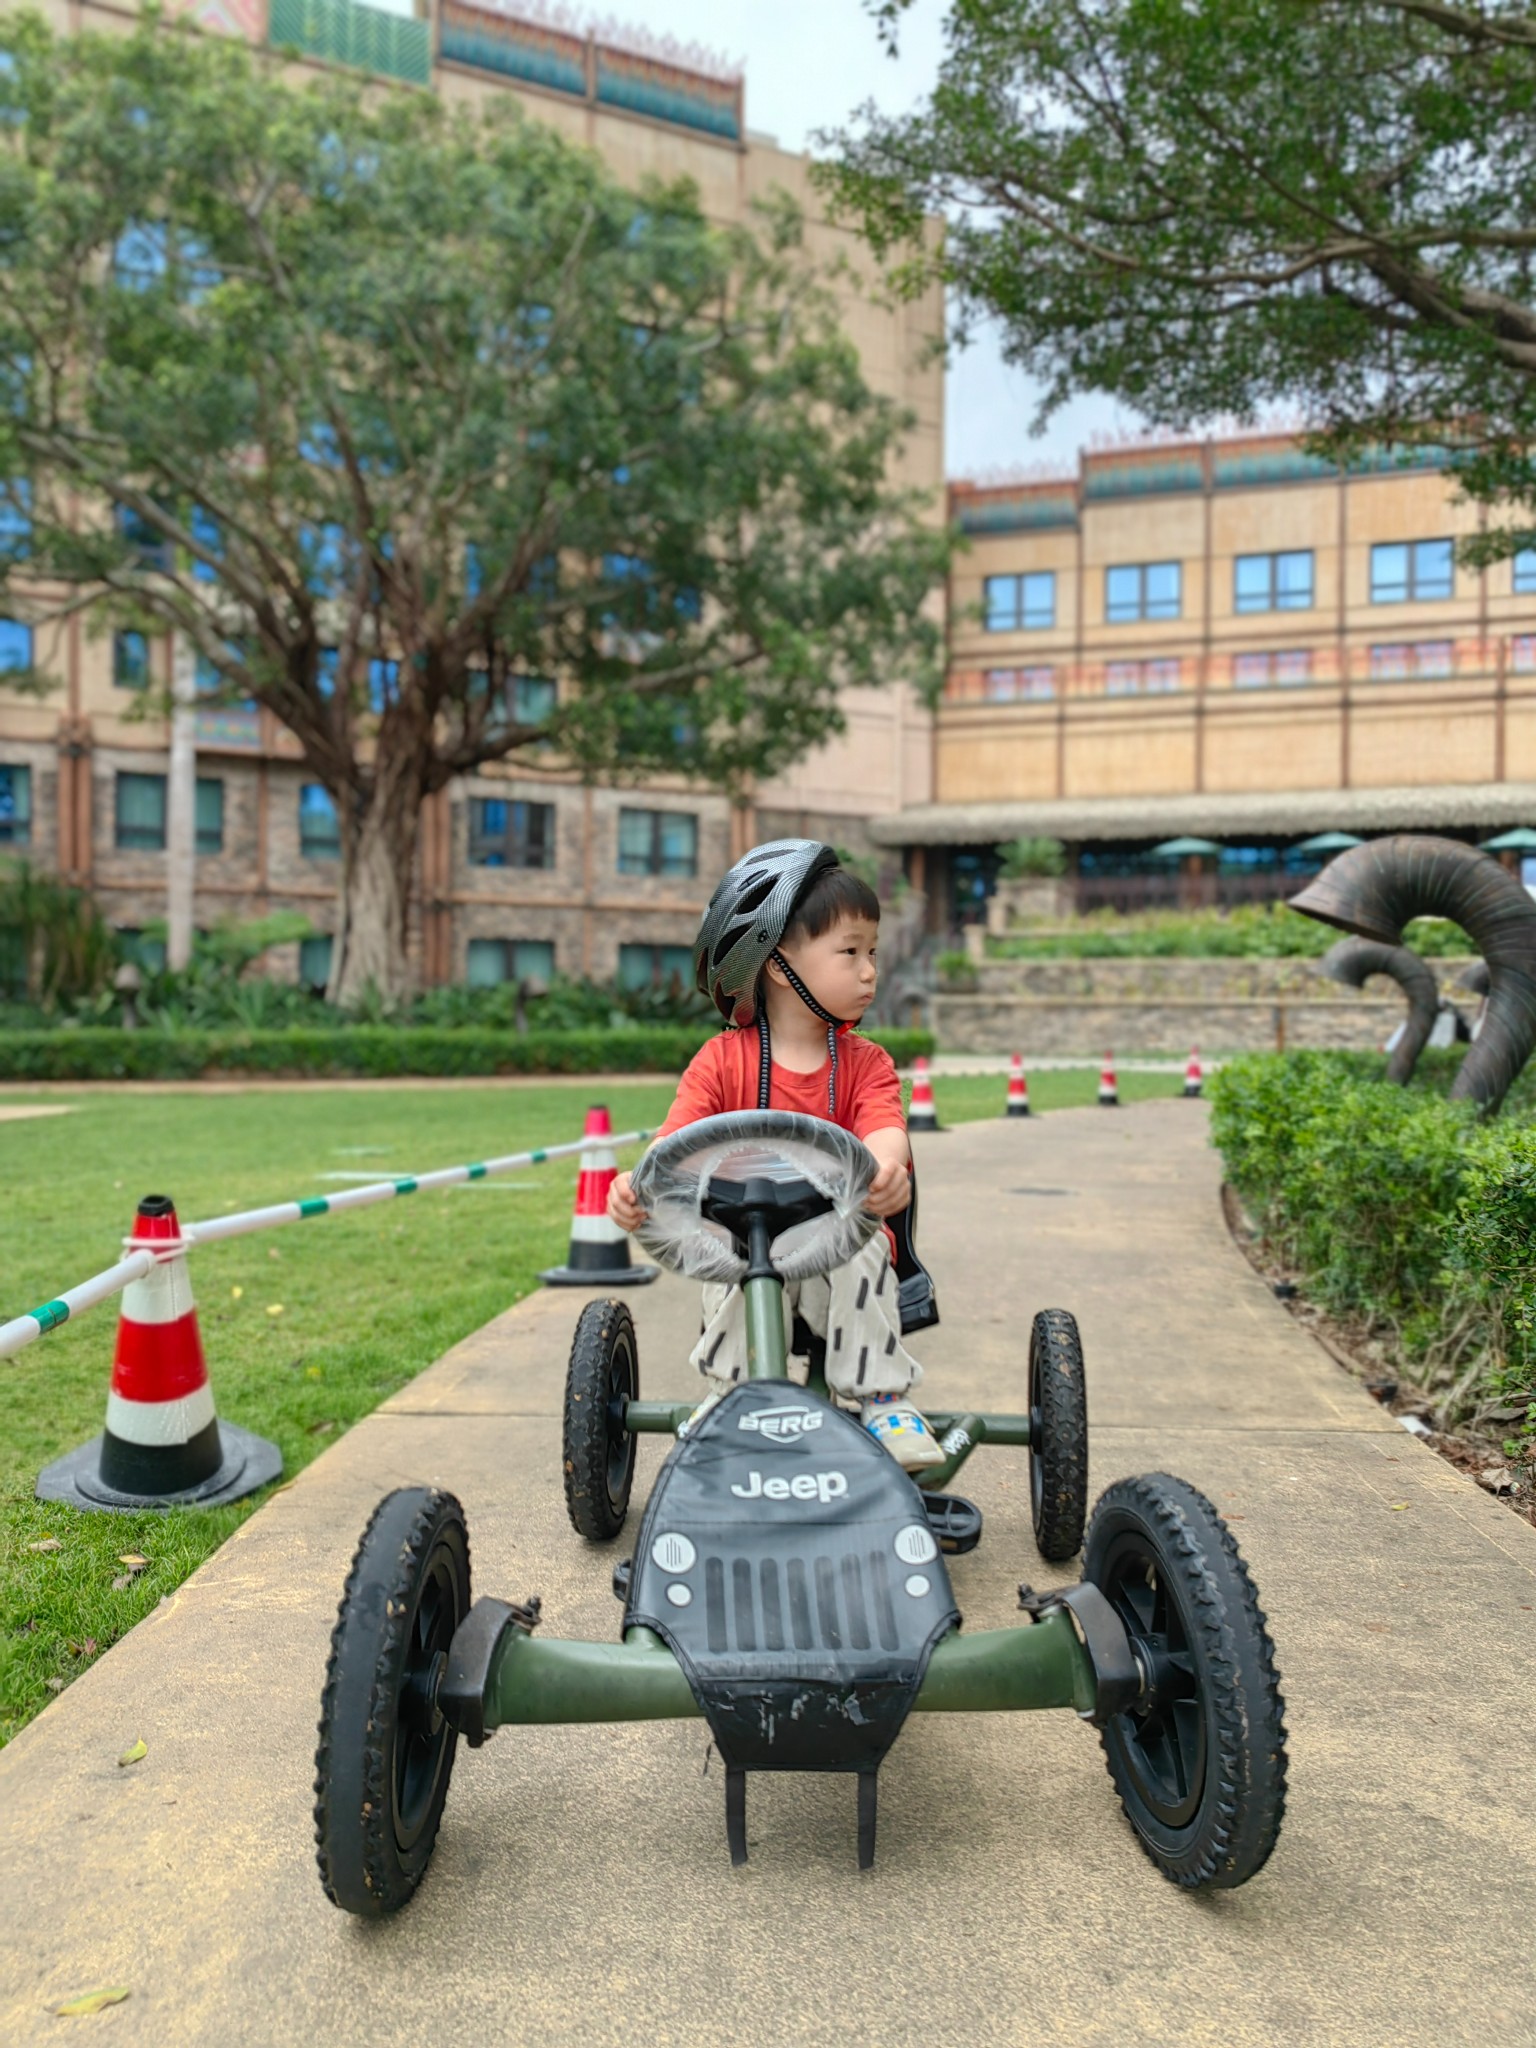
{"x":711,"y":1400}
{"x":892,"y":1421}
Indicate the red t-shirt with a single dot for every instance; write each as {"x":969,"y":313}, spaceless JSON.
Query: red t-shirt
{"x":722,"y":1076}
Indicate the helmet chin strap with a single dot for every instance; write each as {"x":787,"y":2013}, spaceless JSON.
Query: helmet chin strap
{"x":765,"y":1048}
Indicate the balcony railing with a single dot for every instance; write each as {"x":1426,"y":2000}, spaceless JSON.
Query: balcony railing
{"x":346,"y":32}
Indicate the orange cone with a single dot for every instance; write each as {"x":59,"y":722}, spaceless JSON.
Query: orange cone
{"x":163,"y":1445}
{"x":1109,"y":1089}
{"x":922,"y":1116}
{"x":1018,"y":1087}
{"x":599,"y":1253}
{"x":1194,"y":1080}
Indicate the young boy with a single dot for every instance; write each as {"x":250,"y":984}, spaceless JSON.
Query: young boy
{"x":786,"y":952}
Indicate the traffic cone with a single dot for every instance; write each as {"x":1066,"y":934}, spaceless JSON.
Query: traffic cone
{"x":1109,"y":1091}
{"x":1194,"y":1080}
{"x":163,"y":1445}
{"x":922,"y":1116}
{"x":599,"y":1254}
{"x":1018,"y":1087}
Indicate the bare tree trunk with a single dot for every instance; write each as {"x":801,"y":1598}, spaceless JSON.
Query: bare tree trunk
{"x":375,"y":887}
{"x":181,"y":807}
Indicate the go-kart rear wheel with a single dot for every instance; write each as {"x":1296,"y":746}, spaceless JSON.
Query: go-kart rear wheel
{"x":386,"y":1753}
{"x":1199,"y":1762}
{"x":1058,"y":1435}
{"x":599,"y":1452}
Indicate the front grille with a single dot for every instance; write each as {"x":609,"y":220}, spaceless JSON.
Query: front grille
{"x":792,"y":1604}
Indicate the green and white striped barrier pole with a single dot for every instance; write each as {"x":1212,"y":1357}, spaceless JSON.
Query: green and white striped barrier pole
{"x":24,"y":1330}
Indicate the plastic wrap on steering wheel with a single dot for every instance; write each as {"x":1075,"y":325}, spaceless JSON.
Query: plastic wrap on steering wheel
{"x":671,"y":1182}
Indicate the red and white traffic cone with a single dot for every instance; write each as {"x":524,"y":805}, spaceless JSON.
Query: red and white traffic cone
{"x":163,"y":1445}
{"x":1018,"y":1087}
{"x":1194,"y":1079}
{"x":922,"y":1116}
{"x":599,"y":1254}
{"x":1109,"y":1088}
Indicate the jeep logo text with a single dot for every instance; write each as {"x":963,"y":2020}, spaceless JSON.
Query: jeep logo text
{"x":822,"y":1486}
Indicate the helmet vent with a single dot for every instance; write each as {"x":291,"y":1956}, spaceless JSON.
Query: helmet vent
{"x":726,"y":941}
{"x":757,"y":893}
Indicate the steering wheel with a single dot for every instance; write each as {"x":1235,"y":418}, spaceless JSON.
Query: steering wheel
{"x":672,"y":1184}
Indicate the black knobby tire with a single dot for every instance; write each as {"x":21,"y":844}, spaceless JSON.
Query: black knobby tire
{"x":385,"y":1754}
{"x":1199,"y":1762}
{"x":1058,"y":1435}
{"x":599,"y":1452}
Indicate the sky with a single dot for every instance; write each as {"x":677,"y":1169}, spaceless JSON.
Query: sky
{"x":808,"y":64}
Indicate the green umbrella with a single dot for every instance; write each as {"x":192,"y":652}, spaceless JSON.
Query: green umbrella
{"x":1176,"y":849}
{"x":1327,"y":842}
{"x":1520,"y":840}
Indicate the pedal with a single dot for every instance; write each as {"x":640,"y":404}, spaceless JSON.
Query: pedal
{"x":621,"y":1577}
{"x":956,"y":1523}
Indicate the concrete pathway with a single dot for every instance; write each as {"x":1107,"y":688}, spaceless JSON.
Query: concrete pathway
{"x":581,"y":1891}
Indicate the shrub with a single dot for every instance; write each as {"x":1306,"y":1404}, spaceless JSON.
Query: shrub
{"x":1019,"y":860}
{"x":92,"y":1053}
{"x":1250,"y":932}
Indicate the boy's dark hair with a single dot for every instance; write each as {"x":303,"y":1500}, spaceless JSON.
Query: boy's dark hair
{"x":833,"y":894}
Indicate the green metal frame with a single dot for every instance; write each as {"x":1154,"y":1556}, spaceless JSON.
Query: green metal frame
{"x":539,"y":1680}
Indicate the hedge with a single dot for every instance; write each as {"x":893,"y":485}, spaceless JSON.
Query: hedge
{"x":1402,"y":1208}
{"x":376,"y":1051}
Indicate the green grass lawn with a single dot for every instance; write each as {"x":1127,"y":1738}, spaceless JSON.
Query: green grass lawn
{"x":306,"y":1328}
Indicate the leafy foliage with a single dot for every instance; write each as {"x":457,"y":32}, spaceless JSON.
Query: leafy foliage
{"x":1212,"y":206}
{"x":56,"y":948}
{"x":1250,"y":931}
{"x":1400,"y":1208}
{"x":1019,"y":859}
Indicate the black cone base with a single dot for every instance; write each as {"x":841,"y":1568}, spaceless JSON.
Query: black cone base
{"x":598,"y":1276}
{"x":1192,"y":1090}
{"x":247,"y":1463}
{"x":1018,"y":1109}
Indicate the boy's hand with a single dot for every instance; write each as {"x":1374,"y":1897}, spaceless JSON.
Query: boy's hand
{"x":889,"y":1192}
{"x":623,"y":1209}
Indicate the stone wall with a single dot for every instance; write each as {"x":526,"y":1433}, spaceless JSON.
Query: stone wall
{"x":1057,"y":1008}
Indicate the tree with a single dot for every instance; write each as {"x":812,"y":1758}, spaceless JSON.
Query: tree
{"x":1204,"y":207}
{"x":395,"y":414}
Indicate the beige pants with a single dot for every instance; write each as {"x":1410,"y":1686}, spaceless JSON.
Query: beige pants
{"x":854,"y":1307}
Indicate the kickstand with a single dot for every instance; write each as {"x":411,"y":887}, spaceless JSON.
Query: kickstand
{"x":736,"y":1814}
{"x":869,"y":1795}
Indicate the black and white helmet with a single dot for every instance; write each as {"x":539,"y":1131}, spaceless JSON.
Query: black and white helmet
{"x":746,"y":918}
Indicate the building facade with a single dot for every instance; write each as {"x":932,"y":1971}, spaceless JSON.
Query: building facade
{"x":1228,"y":641}
{"x":523,"y":870}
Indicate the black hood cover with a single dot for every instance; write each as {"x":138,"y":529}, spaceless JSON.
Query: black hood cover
{"x":787,"y":1561}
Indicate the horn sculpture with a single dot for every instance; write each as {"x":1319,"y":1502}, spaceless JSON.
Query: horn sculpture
{"x":1376,"y":889}
{"x":1474,"y":979}
{"x":1354,"y":961}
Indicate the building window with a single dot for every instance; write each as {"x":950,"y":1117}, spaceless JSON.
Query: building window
{"x":1412,"y":660}
{"x":150,"y":548}
{"x":1019,"y":685}
{"x":1013,"y":604}
{"x":1142,"y":590}
{"x":507,"y":833}
{"x":15,"y":519}
{"x":1141,"y":678}
{"x":658,"y":843}
{"x":490,"y":962}
{"x":1273,"y":583}
{"x":1523,"y":572}
{"x":15,"y":646}
{"x":533,"y":699}
{"x":1522,"y":653}
{"x":1262,"y":671}
{"x":315,"y":962}
{"x":130,"y":661}
{"x":656,"y":967}
{"x":383,"y":683}
{"x":141,"y":813}
{"x":319,"y":827}
{"x":210,"y":815}
{"x":15,"y":805}
{"x":1411,"y":571}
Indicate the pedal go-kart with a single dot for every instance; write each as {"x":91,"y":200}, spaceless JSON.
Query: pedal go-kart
{"x":788,"y":1581}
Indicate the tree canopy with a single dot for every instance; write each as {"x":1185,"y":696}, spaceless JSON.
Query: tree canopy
{"x":1207,"y":207}
{"x":429,"y":436}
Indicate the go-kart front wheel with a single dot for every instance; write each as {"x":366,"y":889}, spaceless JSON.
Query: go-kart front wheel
{"x":1058,"y":1435}
{"x":1199,"y":1761}
{"x":598,"y":1455}
{"x":386,"y":1753}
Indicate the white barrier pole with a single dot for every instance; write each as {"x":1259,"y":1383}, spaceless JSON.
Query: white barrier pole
{"x":23,"y":1330}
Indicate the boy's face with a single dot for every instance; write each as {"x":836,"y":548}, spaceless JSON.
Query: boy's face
{"x":839,"y":967}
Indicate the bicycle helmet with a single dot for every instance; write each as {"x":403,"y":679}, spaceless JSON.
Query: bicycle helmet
{"x":746,"y":917}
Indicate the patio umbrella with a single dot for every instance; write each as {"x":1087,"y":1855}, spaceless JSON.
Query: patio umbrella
{"x":1520,"y":840}
{"x":1326,"y":842}
{"x":1177,"y":849}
